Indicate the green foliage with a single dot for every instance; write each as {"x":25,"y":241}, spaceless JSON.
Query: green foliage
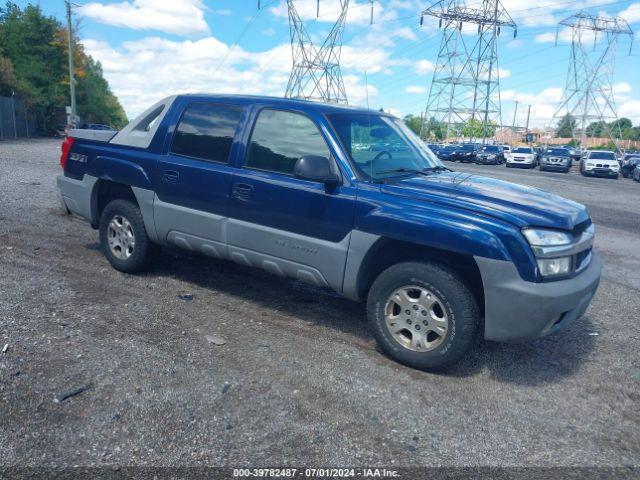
{"x":33,"y":64}
{"x":95,"y":102}
{"x":431,"y":130}
{"x":622,"y":128}
{"x":566,"y":126}
{"x":474,"y":129}
{"x":413,"y":122}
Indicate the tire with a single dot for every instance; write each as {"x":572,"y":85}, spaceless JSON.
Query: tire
{"x":115,"y":238}
{"x":452,"y":303}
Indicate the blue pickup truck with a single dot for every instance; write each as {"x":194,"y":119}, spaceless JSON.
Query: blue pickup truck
{"x":338,"y":197}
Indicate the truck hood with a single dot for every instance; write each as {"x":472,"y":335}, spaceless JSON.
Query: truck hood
{"x":517,"y":204}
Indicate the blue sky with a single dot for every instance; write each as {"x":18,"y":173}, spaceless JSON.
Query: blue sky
{"x":153,"y":48}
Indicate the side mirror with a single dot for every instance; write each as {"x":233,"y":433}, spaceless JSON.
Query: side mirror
{"x":316,"y":169}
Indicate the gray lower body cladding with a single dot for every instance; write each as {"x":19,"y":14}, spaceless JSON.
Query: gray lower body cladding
{"x":517,"y":311}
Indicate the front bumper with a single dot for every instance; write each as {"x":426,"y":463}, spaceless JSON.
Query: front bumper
{"x":517,"y":310}
{"x":601,"y":172}
{"x":555,"y":165}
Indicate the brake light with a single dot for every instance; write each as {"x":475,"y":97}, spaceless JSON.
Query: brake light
{"x":66,"y":148}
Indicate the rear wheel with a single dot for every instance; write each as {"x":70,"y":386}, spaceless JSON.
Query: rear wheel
{"x":123,"y":237}
{"x":422,"y":315}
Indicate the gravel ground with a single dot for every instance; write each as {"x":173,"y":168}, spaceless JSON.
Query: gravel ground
{"x":300,"y":380}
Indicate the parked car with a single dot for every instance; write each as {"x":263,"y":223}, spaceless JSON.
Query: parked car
{"x":636,"y":173}
{"x":601,"y":163}
{"x":446,"y":152}
{"x":574,"y":152}
{"x":490,"y":155}
{"x":60,"y":131}
{"x":434,"y":147}
{"x":95,"y":126}
{"x":556,"y":159}
{"x":628,"y":164}
{"x":506,"y":149}
{"x":524,"y":157}
{"x":464,"y":152}
{"x":277,"y":183}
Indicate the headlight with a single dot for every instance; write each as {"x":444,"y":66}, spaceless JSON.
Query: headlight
{"x":546,"y":238}
{"x":549,"y":267}
{"x":589,"y":164}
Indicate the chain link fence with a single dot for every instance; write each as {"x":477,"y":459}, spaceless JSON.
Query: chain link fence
{"x":15,"y":119}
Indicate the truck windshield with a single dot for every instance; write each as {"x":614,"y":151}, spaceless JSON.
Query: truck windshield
{"x":381,"y":146}
{"x":558,"y":151}
{"x":523,"y":150}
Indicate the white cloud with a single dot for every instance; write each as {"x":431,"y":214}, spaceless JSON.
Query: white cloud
{"x":422,"y":67}
{"x":224,"y":12}
{"x":631,"y":110}
{"x":359,"y":12}
{"x":143,"y":71}
{"x":181,"y":17}
{"x":415,"y":89}
{"x":504,"y":73}
{"x":622,"y":87}
{"x":632,"y":13}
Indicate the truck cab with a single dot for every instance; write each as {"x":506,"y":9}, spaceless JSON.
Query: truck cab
{"x":341,"y":198}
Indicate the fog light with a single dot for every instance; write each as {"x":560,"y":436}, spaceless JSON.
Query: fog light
{"x":549,"y":267}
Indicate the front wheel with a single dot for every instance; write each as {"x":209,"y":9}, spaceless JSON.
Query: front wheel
{"x":422,"y":315}
{"x":123,"y":237}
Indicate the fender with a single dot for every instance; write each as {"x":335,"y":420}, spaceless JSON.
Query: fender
{"x":120,"y":171}
{"x":436,"y":226}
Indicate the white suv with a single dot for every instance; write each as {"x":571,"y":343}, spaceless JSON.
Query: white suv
{"x":521,"y":157}
{"x":600,"y":163}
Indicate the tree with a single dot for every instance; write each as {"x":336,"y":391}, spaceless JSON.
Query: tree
{"x":474,"y":128}
{"x":434,"y":129}
{"x":596,"y":129}
{"x":566,"y":126}
{"x":33,"y":64}
{"x":413,"y":122}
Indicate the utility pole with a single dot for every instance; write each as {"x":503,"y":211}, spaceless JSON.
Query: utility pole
{"x":13,"y":107}
{"x":513,"y":124}
{"x":72,"y":80}
{"x":588,"y":95}
{"x":526,"y":132}
{"x":466,"y":80}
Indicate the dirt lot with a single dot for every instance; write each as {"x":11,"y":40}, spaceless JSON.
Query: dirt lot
{"x":299,"y":380}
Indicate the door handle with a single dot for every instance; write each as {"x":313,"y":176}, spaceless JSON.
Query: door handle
{"x":242,"y":191}
{"x":171,"y":176}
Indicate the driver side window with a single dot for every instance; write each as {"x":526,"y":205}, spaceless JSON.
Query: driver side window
{"x":280,"y":138}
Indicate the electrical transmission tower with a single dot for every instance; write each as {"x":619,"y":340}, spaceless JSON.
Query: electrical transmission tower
{"x":588,"y":95}
{"x":465,"y":89}
{"x":316,"y":74}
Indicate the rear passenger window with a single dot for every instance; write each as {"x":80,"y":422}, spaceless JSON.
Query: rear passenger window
{"x":280,"y":138}
{"x":206,"y":131}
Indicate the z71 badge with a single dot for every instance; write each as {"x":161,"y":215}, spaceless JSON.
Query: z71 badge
{"x":78,"y":157}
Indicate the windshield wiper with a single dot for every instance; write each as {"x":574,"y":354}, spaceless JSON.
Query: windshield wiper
{"x":438,"y":168}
